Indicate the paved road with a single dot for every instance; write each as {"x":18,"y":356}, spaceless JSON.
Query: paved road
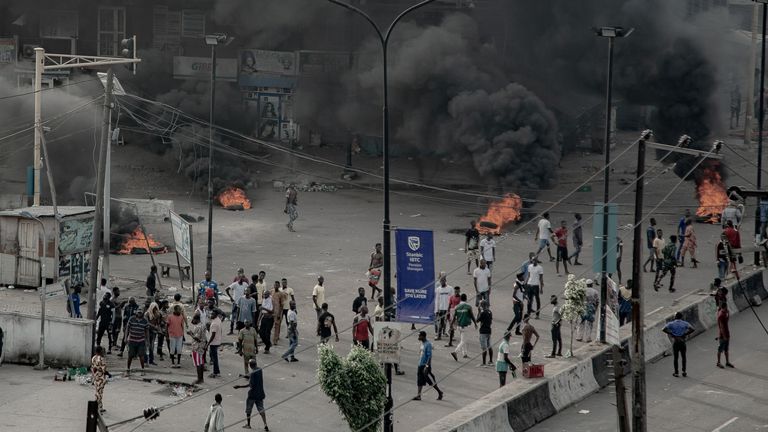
{"x":708,"y":400}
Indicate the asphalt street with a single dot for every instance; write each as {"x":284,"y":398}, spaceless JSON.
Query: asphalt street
{"x":708,"y":400}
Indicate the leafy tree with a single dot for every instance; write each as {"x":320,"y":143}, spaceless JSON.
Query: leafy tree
{"x":356,"y":384}
{"x":575,"y":304}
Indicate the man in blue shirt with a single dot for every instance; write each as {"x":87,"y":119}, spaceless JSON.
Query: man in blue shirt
{"x":650,"y":236}
{"x":678,"y":330}
{"x":73,"y":305}
{"x":424,"y":375}
{"x":202,"y":290}
{"x":256,"y":394}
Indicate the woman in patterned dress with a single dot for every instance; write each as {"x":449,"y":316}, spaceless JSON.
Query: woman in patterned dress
{"x":99,"y":374}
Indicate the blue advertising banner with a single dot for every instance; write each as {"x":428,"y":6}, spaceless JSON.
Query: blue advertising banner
{"x":415,"y":276}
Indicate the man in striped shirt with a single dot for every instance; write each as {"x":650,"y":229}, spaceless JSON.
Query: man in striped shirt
{"x":138,"y":332}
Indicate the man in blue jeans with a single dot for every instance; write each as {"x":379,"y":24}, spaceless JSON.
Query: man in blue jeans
{"x":214,"y":342}
{"x":293,"y":334}
{"x":256,"y":395}
{"x":678,"y":330}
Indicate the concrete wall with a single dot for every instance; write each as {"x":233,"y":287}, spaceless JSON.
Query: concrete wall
{"x":67,"y":341}
{"x":522,"y":403}
{"x":152,"y":210}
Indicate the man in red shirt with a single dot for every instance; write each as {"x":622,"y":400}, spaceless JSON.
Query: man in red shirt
{"x":175,"y":322}
{"x":561,"y":236}
{"x":361,"y":326}
{"x":725,"y":334}
{"x":452,"y":303}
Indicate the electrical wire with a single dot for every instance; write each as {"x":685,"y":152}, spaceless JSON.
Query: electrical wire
{"x":2,"y":98}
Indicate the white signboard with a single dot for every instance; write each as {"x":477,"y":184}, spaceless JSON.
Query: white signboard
{"x":200,"y":68}
{"x":611,"y":327}
{"x":386,"y":340}
{"x":181,"y":236}
{"x":270,"y":62}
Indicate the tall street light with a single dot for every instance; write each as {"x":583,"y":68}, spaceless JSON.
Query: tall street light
{"x":611,"y":33}
{"x":386,"y":243}
{"x":213,"y":40}
{"x":41,"y":359}
{"x":760,"y":119}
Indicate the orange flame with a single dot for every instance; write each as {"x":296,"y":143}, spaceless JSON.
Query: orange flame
{"x":232,"y":196}
{"x":137,"y":241}
{"x":500,"y":213}
{"x":712,"y":196}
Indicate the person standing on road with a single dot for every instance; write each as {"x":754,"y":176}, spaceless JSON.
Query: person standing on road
{"x":378,"y":311}
{"x":325,"y":323}
{"x":689,"y":244}
{"x":472,"y":245}
{"x":73,"y":305}
{"x":485,"y":317}
{"x":293,"y":333}
{"x":543,"y":234}
{"x":279,"y":298}
{"x":208,"y":289}
{"x":374,"y":270}
{"x":256,"y":395}
{"x":266,"y":320}
{"x":151,"y":283}
{"x":176,"y":324}
{"x":117,"y":319}
{"x":678,"y":330}
{"x":215,"y":420}
{"x":724,"y":335}
{"x":584,"y":332}
{"x":534,"y":285}
{"x":361,"y":327}
{"x":528,"y":333}
{"x":288,"y":297}
{"x":359,"y":301}
{"x":557,"y":320}
{"x":650,"y":238}
{"x":721,"y":255}
{"x":442,"y":301}
{"x":482,"y":280}
{"x":235,"y":292}
{"x":488,"y":250}
{"x":99,"y":375}
{"x":578,"y":239}
{"x":213,"y":344}
{"x":658,"y":251}
{"x":197,"y":333}
{"x":104,"y":316}
{"x":681,"y":233}
{"x":246,"y":310}
{"x":518,"y":299}
{"x":137,"y":331}
{"x":503,"y":363}
{"x":561,"y":236}
{"x":257,"y":288}
{"x":424,"y":375}
{"x":463,"y":317}
{"x":318,"y":296}
{"x":454,"y":301}
{"x":669,"y":264}
{"x":129,"y":310}
{"x":247,"y":345}
{"x":291,"y":206}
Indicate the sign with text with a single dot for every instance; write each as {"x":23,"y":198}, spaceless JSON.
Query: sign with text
{"x":415,"y":276}
{"x":200,"y":68}
{"x":386,"y":340}
{"x":612,"y":336}
{"x":75,"y":235}
{"x":181,"y":236}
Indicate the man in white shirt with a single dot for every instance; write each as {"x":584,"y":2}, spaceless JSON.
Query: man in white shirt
{"x":235,"y":292}
{"x":289,"y":297}
{"x":543,"y":234}
{"x":488,"y":250}
{"x":318,"y":296}
{"x":482,"y":281}
{"x":443,"y":293}
{"x":534,"y":285}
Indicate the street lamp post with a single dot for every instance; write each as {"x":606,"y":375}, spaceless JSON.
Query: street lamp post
{"x":611,"y":33}
{"x":41,"y":359}
{"x":760,"y":119}
{"x":386,"y":243}
{"x":213,"y":40}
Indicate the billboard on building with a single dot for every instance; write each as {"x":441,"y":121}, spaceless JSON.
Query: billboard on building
{"x":200,"y":68}
{"x":75,"y":235}
{"x":181,"y":236}
{"x":7,"y":50}
{"x":262,"y":68}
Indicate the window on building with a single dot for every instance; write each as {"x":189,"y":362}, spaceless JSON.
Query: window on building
{"x":58,"y":24}
{"x":166,"y":28}
{"x":192,"y":23}
{"x":111,"y":30}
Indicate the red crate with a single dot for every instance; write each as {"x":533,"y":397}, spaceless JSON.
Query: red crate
{"x":533,"y":371}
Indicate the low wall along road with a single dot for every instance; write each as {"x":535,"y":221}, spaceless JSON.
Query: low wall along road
{"x":67,"y":340}
{"x":524,"y":402}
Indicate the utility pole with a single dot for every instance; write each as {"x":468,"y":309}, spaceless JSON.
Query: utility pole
{"x":106,"y":247}
{"x":750,"y":112}
{"x":38,"y":87}
{"x":621,"y":395}
{"x":99,"y":206}
{"x":760,"y":120}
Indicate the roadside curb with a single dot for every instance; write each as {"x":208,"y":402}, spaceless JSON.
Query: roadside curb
{"x":521,"y":404}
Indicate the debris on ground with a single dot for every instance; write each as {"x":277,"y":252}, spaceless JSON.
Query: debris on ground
{"x":316,"y":187}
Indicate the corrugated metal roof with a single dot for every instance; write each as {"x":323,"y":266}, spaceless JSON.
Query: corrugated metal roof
{"x":47,"y":211}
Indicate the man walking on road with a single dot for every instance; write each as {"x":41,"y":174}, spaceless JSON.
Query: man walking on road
{"x":325,"y":323}
{"x":678,"y":330}
{"x":482,"y":280}
{"x":247,"y":345}
{"x":137,"y":332}
{"x":278,"y":300}
{"x":360,"y":300}
{"x":463,"y":317}
{"x":518,"y":299}
{"x":291,"y":206}
{"x":452,"y":303}
{"x":293,"y":333}
{"x":543,"y":234}
{"x":197,"y":333}
{"x":557,"y":339}
{"x":374,"y":270}
{"x":658,"y":251}
{"x":318,"y":296}
{"x":488,"y":250}
{"x":256,"y":395}
{"x":152,"y":282}
{"x":503,"y":363}
{"x":669,"y":263}
{"x":266,"y":321}
{"x":213,"y":344}
{"x":472,"y":245}
{"x":528,"y":333}
{"x":442,"y":302}
{"x":485,"y":317}
{"x":650,"y":237}
{"x":534,"y":285}
{"x":235,"y":292}
{"x":724,"y":336}
{"x":424,"y":374}
{"x":578,"y":239}
{"x":561,"y":235}
{"x":215,"y":420}
{"x":584,"y":332}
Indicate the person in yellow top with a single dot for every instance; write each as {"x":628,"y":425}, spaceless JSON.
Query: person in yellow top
{"x":318,"y":296}
{"x":278,"y":300}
